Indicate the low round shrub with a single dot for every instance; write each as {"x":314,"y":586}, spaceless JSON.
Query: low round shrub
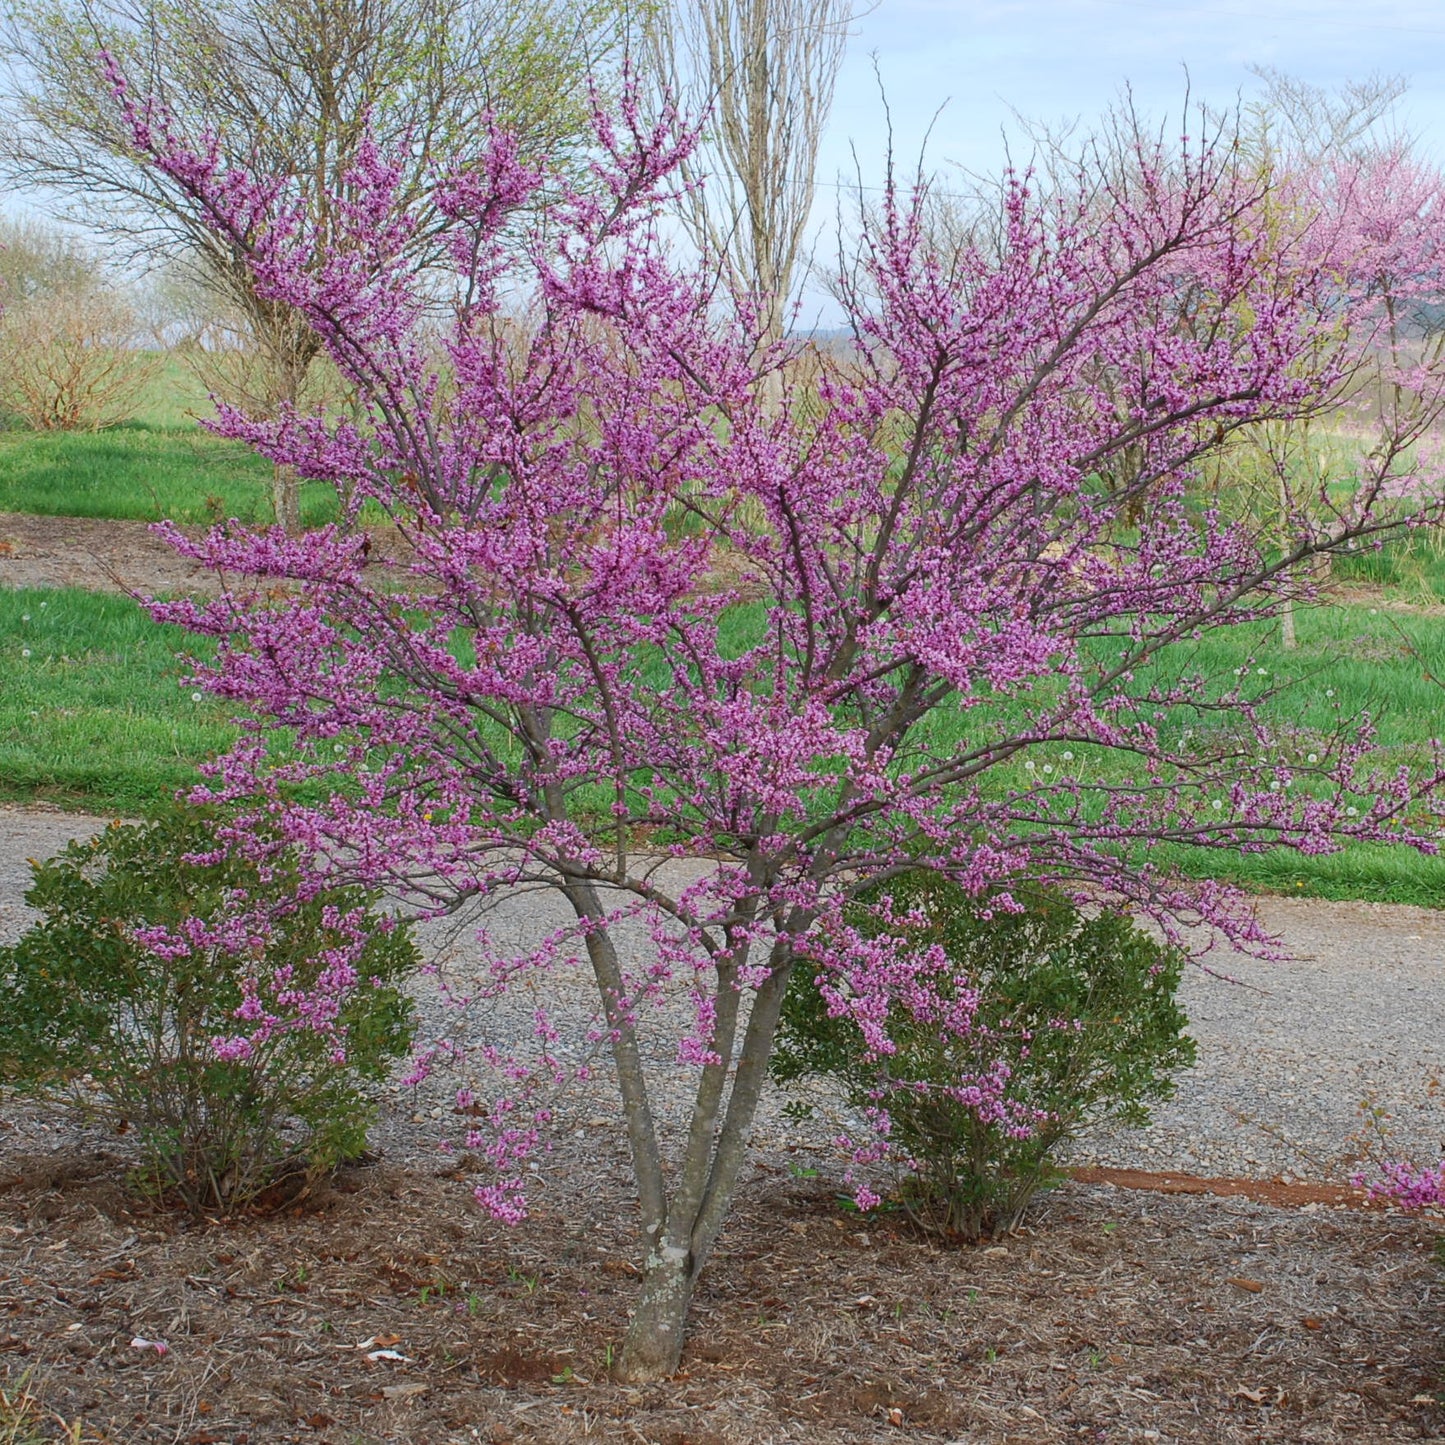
{"x":1031,"y":1027}
{"x":235,"y":1013}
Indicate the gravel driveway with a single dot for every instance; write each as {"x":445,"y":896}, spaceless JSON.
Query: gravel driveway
{"x":1284,"y":1061}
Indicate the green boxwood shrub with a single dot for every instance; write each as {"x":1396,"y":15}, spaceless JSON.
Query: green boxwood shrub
{"x":1076,"y":1012}
{"x":127,"y":1001}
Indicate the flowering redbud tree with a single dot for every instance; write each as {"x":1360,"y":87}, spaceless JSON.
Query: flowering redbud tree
{"x":934,"y":608}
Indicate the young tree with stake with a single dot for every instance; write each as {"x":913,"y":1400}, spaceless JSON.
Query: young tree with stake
{"x":948,"y":642}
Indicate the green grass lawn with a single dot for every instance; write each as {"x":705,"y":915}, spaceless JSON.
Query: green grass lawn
{"x":1412,"y":568}
{"x":93,"y":713}
{"x":97,"y":717}
{"x":161,"y":464}
{"x":1351,"y":659}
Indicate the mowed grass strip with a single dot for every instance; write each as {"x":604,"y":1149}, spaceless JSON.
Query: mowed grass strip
{"x":161,"y":464}
{"x":143,"y":473}
{"x":95,"y":713}
{"x":99,"y":716}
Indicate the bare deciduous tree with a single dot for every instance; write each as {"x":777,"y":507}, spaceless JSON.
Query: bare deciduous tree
{"x":1292,"y":129}
{"x":1300,"y":122}
{"x":290,"y":87}
{"x":72,"y":356}
{"x":762,"y":72}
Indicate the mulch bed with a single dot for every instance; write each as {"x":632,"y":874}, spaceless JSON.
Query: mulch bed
{"x":390,"y":1310}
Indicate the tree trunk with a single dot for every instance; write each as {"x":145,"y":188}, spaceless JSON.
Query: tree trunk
{"x":1287,"y":636}
{"x":286,"y":499}
{"x":652,"y":1347}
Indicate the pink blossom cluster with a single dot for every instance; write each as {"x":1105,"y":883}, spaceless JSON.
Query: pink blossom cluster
{"x":1411,"y":1186}
{"x":273,"y":999}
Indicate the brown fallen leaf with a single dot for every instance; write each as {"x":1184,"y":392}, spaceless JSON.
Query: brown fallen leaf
{"x":379,"y":1342}
{"x":1252,"y":1285}
{"x":1255,"y":1397}
{"x":126,"y":1271}
{"x":1312,"y":1324}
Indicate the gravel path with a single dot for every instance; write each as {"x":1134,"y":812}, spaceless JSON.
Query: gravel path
{"x":1284,"y":1061}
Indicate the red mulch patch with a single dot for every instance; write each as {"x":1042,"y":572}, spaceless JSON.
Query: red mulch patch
{"x":1295,"y":1194}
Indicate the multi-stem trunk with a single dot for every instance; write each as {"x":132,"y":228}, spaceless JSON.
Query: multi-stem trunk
{"x":699,"y":1203}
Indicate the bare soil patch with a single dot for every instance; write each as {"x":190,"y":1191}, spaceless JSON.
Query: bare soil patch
{"x":104,"y":555}
{"x":391,"y":1310}
{"x":100,"y":555}
{"x":1283,"y":1194}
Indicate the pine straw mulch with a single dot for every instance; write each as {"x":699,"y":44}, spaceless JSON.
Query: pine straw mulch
{"x":1117,"y":1315}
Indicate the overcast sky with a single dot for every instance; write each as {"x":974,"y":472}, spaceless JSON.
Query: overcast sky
{"x":1052,"y":59}
{"x":962,"y":67}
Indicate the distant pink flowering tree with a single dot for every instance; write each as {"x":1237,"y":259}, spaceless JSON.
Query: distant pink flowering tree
{"x":935,"y":608}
